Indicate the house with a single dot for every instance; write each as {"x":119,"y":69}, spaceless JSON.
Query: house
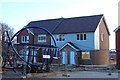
{"x":81,"y":40}
{"x":117,"y":38}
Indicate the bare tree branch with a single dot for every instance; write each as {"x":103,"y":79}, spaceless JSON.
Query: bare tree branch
{"x":3,"y":38}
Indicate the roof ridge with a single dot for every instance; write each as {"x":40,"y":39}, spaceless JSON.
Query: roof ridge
{"x":62,"y":19}
{"x":67,"y":18}
{"x":46,"y":20}
{"x":69,"y":25}
{"x":84,"y":16}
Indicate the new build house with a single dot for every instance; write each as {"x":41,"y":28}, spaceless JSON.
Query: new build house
{"x":81,"y":40}
{"x":117,"y":38}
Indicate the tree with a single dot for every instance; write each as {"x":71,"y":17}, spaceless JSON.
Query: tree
{"x":3,"y":38}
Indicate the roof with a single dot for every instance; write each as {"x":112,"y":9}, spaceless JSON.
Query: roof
{"x":69,"y":44}
{"x":68,"y":25}
{"x":117,"y":29}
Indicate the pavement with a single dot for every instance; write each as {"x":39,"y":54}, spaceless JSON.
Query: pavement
{"x":87,"y":74}
{"x":83,"y":75}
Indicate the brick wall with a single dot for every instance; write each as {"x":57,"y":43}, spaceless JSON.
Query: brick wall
{"x":48,"y":40}
{"x":25,"y":33}
{"x":104,"y":44}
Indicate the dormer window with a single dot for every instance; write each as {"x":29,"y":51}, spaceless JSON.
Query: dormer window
{"x":81,"y":37}
{"x":25,"y":39}
{"x":41,"y":38}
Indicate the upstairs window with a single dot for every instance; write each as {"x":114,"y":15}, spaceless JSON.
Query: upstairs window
{"x":60,"y":38}
{"x":41,"y":38}
{"x":84,"y":36}
{"x":78,"y":37}
{"x":25,"y":39}
{"x":81,"y":37}
{"x":102,"y":37}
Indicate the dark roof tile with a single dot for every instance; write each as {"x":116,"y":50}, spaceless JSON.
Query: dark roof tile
{"x":68,"y":25}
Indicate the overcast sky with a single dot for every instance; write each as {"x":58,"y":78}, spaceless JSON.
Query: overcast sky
{"x":18,"y":13}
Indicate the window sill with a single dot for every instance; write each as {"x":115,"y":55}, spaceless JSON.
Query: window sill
{"x":60,"y":41}
{"x":25,"y":42}
{"x":81,"y":40}
{"x":41,"y":41}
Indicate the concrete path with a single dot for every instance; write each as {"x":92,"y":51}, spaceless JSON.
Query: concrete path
{"x":87,"y":74}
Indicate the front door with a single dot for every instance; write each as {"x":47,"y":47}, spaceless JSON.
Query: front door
{"x":72,"y":57}
{"x":64,"y":57}
{"x":70,"y":60}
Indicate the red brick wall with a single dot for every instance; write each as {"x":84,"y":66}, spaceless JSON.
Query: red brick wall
{"x":103,"y":56}
{"x":117,"y":36}
{"x":25,"y":33}
{"x":48,"y":40}
{"x":102,"y":29}
{"x":118,"y":40}
{"x":19,"y":39}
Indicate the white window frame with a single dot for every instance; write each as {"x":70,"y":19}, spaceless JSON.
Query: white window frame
{"x":82,"y":37}
{"x":62,"y":37}
{"x":23,"y":39}
{"x":40,"y":38}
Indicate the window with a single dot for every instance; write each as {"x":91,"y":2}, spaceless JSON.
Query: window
{"x":81,"y":37}
{"x":41,"y":38}
{"x":84,"y":36}
{"x":63,"y":38}
{"x":60,"y":38}
{"x":102,"y":36}
{"x":57,"y":37}
{"x":77,"y":36}
{"x":25,"y":39}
